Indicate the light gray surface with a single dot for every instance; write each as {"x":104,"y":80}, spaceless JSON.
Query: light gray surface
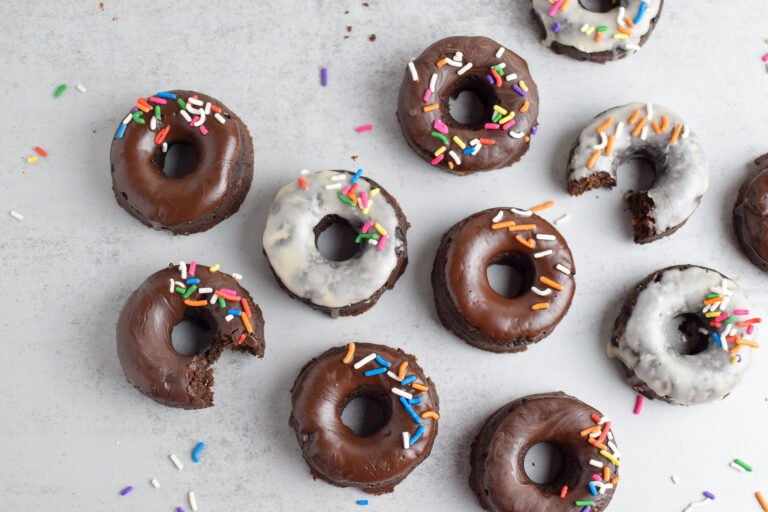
{"x":73,"y":432}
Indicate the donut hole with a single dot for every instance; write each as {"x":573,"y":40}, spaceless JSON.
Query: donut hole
{"x":689,"y":334}
{"x":192,"y":336}
{"x":366,"y":410}
{"x":335,"y":238}
{"x":510,"y":274}
{"x":179,"y":160}
{"x":637,"y":172}
{"x":599,"y":5}
{"x":550,"y":466}
{"x":469,"y":103}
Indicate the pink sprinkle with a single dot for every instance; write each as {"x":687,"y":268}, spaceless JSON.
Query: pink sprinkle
{"x":765,"y":57}
{"x":491,"y":126}
{"x":192,"y":266}
{"x":228,"y":292}
{"x":364,"y":128}
{"x":364,"y":198}
{"x":194,"y":120}
{"x":741,"y":312}
{"x":368,"y":225}
{"x":508,"y":125}
{"x":346,"y":190}
{"x":160,"y":101}
{"x":203,"y":130}
{"x":555,"y":7}
{"x":722,"y":317}
{"x":639,"y":404}
{"x":438,"y":159}
{"x":440,"y":126}
{"x":751,"y":329}
{"x":427,"y":95}
{"x":597,"y":477}
{"x":382,"y":242}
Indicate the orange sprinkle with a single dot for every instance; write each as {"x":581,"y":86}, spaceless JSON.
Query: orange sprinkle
{"x":216,"y":109}
{"x":501,"y":225}
{"x":712,"y":301}
{"x":598,"y":36}
{"x":630,"y":23}
{"x":635,"y":116}
{"x":350,"y":353}
{"x":664,"y":123}
{"x":450,"y":164}
{"x":195,"y":302}
{"x":542,"y":206}
{"x":525,"y":106}
{"x":526,"y":138}
{"x":486,"y":142}
{"x":246,"y":308}
{"x":246,"y":323}
{"x":441,"y":62}
{"x":143,"y":108}
{"x":522,"y":227}
{"x":605,"y":125}
{"x":590,"y":430}
{"x":420,"y":387}
{"x":528,"y":243}
{"x":609,"y":146}
{"x":563,"y":491}
{"x":676,"y":133}
{"x":748,"y":343}
{"x":624,"y":30}
{"x":540,"y":305}
{"x":241,"y":339}
{"x":40,"y":151}
{"x":639,"y":126}
{"x":615,"y":480}
{"x":401,"y":372}
{"x":735,"y":349}
{"x":606,"y":474}
{"x":431,"y":414}
{"x":547,"y":281}
{"x":761,"y":500}
{"x":656,"y":127}
{"x":430,"y":108}
{"x":564,"y":5}
{"x":593,"y":158}
{"x":599,"y":446}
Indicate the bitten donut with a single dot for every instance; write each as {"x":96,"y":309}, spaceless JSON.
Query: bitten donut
{"x":467,"y":304}
{"x":304,"y":209}
{"x":498,"y":134}
{"x":717,"y":323}
{"x":750,"y":215}
{"x":571,"y":29}
{"x":590,"y":457}
{"x":207,"y":194}
{"x":655,"y":133}
{"x":215,"y":301}
{"x":389,"y":377}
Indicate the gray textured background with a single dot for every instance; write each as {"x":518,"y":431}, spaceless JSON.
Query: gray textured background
{"x":73,"y":432}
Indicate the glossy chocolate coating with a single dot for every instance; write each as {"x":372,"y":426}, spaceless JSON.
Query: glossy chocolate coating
{"x":333,"y":452}
{"x":498,"y":476}
{"x":468,"y":305}
{"x":418,"y":125}
{"x":144,"y":343}
{"x":208,"y":194}
{"x":750,"y":215}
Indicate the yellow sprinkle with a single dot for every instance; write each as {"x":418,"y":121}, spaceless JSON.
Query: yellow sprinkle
{"x":32,"y":159}
{"x":523,"y":86}
{"x":380,"y":229}
{"x":506,"y":119}
{"x":373,"y":192}
{"x":590,"y":30}
{"x":610,"y":457}
{"x":620,"y":36}
{"x":500,"y":110}
{"x":215,"y":267}
{"x":712,"y":314}
{"x":459,"y":142}
{"x":734,"y":359}
{"x":441,"y":150}
{"x":365,"y":210}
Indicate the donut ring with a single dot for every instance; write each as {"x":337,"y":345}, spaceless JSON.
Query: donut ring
{"x":750,"y":215}
{"x":501,"y":80}
{"x":570,"y":29}
{"x":210,"y":192}
{"x":498,"y":476}
{"x":377,"y":463}
{"x":659,"y":135}
{"x":467,"y":304}
{"x":303,"y":209}
{"x":642,"y":333}
{"x":144,"y":328}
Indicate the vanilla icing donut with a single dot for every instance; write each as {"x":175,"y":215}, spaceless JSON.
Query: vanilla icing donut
{"x":303,"y":209}
{"x":655,"y":133}
{"x":571,"y":29}
{"x":642,"y":333}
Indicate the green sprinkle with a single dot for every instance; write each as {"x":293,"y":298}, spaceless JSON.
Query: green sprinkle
{"x":222,"y":303}
{"x":601,"y":28}
{"x":180,"y":289}
{"x":584,"y":503}
{"x":361,"y":236}
{"x":441,"y":137}
{"x":181,"y":103}
{"x":346,"y":199}
{"x":60,"y":90}
{"x":137,"y":117}
{"x":713,"y":295}
{"x":190,"y":290}
{"x":743,"y":464}
{"x":729,"y":319}
{"x":496,"y":117}
{"x":499,"y":70}
{"x":157,"y":112}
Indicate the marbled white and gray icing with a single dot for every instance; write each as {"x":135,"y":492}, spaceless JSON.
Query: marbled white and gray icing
{"x":575,"y":17}
{"x":645,"y":347}
{"x":682,"y":171}
{"x":289,"y":242}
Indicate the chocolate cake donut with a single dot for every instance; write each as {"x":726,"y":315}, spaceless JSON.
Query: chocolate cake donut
{"x":467,"y":304}
{"x":654,"y":133}
{"x":716,"y":321}
{"x":750,"y":215}
{"x":501,"y":131}
{"x":391,"y":378}
{"x":212,"y":299}
{"x":304,"y":209}
{"x":208,"y":193}
{"x":590,"y":458}
{"x":571,"y":29}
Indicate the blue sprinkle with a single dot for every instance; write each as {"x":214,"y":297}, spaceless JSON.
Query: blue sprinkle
{"x":417,"y":435}
{"x":593,"y":488}
{"x":534,"y":130}
{"x":377,"y":371}
{"x":640,"y":13}
{"x":518,"y":90}
{"x":717,"y":339}
{"x":234,"y":312}
{"x":193,"y":281}
{"x":408,"y":380}
{"x":356,"y":177}
{"x":196,"y":452}
{"x":382,"y":362}
{"x":362,"y":502}
{"x":556,"y":28}
{"x":468,"y":151}
{"x":410,"y":410}
{"x":121,"y":131}
{"x":414,"y":401}
{"x":166,"y":95}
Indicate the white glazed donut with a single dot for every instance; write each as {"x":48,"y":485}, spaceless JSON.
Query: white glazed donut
{"x":571,"y":29}
{"x":641,"y":335}
{"x":659,"y":135}
{"x":302,"y":209}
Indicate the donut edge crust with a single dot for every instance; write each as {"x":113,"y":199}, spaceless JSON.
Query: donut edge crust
{"x":760,"y":166}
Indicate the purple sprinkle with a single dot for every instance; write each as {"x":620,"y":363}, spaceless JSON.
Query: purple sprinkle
{"x":518,"y":90}
{"x":709,"y":495}
{"x":134,"y":109}
{"x":491,"y":79}
{"x":179,"y":509}
{"x":556,"y":28}
{"x":534,"y":130}
{"x":130,"y":488}
{"x":325,"y":77}
{"x":587,"y":508}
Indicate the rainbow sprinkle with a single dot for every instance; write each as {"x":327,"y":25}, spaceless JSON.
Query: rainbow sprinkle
{"x":727,"y":327}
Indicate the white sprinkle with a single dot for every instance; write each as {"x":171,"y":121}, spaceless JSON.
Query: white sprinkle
{"x":522,"y":213}
{"x":228,"y":318}
{"x":414,"y":73}
{"x":458,"y":56}
{"x":128,"y":119}
{"x":193,"y":110}
{"x":180,"y":284}
{"x":176,"y":462}
{"x":214,"y":298}
{"x":402,"y":393}
{"x":511,"y":76}
{"x":219,"y":118}
{"x":153,"y":123}
{"x":392,"y":375}
{"x":619,"y":129}
{"x":542,"y":253}
{"x":201,"y":120}
{"x":562,"y":268}
{"x":603,"y":141}
{"x":183,"y":269}
{"x":632,"y":46}
{"x":500,"y":52}
{"x":155,"y":483}
{"x":339,"y":177}
{"x":304,"y":172}
{"x":649,"y":110}
{"x":703,"y":331}
{"x":516,"y":135}
{"x":452,"y":62}
{"x":584,"y":27}
{"x":205,"y":290}
{"x":171,"y":288}
{"x":674,"y":479}
{"x":604,"y":487}
{"x":81,"y":88}
{"x":364,"y":361}
{"x":596,"y":463}
{"x":455,"y":157}
{"x":16,"y":215}
{"x":165,"y":147}
{"x":604,"y":420}
{"x":498,"y":217}
{"x":371,"y":241}
{"x":737,"y":467}
{"x":620,"y":17}
{"x":546,"y":237}
{"x":433,"y":82}
{"x":543,"y":293}
{"x":333,"y":186}
{"x":195,"y":102}
{"x":563,"y":219}
{"x":685,"y":131}
{"x":192,"y":501}
{"x":696,"y":504}
{"x":474,"y":142}
{"x":612,"y":446}
{"x":610,"y":435}
{"x":501,"y":65}
{"x":185,"y":116}
{"x":208,"y":108}
{"x":466,"y":68}
{"x":236,"y":276}
{"x":406,"y":440}
{"x":644,"y":133}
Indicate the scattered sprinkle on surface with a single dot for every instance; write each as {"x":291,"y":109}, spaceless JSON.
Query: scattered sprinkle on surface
{"x":60,"y":90}
{"x":16,"y":215}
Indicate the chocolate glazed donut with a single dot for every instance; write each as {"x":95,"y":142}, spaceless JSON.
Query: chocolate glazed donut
{"x":391,"y":378}
{"x":467,"y":304}
{"x":590,"y":460}
{"x":750,"y":215}
{"x":210,"y":192}
{"x":144,"y":329}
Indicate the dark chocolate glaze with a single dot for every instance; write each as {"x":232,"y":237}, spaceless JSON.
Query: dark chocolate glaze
{"x":467,"y":304}
{"x":208,"y":194}
{"x":750,"y":215}
{"x":417,"y":125}
{"x":498,"y":476}
{"x":144,"y":343}
{"x":332,"y":451}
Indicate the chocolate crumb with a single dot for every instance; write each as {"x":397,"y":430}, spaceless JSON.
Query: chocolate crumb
{"x":349,"y":28}
{"x":372,"y":38}
{"x":101,"y":5}
{"x":354,"y":158}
